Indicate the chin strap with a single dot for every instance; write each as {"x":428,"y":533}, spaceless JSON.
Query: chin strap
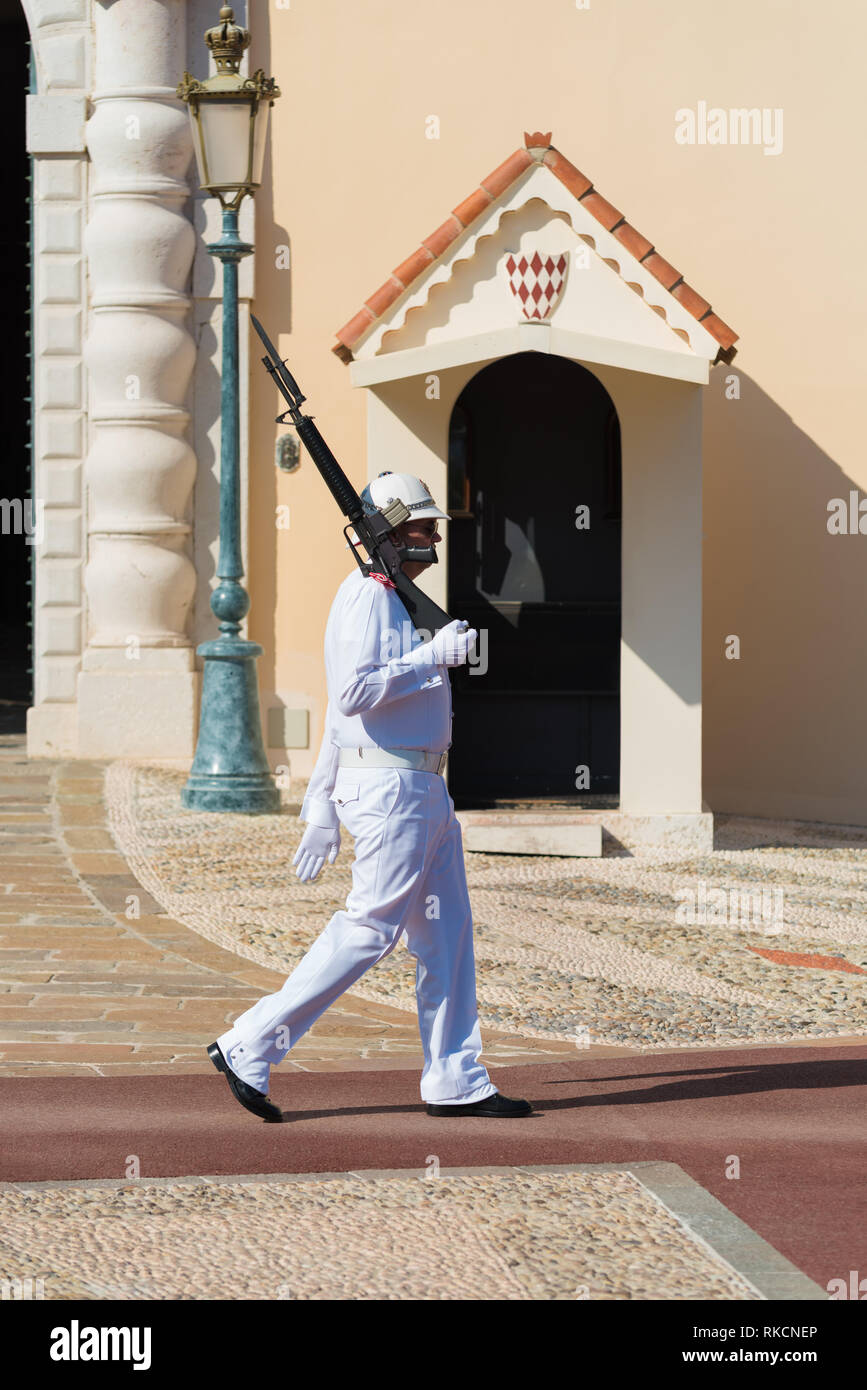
{"x":418,"y":555}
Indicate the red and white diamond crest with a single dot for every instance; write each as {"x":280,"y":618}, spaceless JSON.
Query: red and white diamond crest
{"x":537,"y":283}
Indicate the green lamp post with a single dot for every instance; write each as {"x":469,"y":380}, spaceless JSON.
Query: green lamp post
{"x":229,"y":118}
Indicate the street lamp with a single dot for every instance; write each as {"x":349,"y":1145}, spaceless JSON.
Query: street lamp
{"x":229,"y":118}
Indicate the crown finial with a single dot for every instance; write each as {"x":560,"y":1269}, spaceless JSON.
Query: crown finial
{"x":227,"y":41}
{"x":537,"y":141}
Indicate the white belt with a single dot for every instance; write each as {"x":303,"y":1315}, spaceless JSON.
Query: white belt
{"x":416,"y":758}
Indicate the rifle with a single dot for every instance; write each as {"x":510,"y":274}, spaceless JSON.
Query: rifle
{"x":373,"y":529}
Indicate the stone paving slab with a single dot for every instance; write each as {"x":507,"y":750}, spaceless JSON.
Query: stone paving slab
{"x":592,"y":1232}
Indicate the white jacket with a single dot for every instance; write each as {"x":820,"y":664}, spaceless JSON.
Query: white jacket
{"x":377,"y":698}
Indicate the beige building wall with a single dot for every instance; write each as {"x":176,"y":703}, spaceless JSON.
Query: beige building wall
{"x":773,"y":240}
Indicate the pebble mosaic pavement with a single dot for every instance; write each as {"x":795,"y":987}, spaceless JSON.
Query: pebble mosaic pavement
{"x":513,"y":1235}
{"x":566,"y":949}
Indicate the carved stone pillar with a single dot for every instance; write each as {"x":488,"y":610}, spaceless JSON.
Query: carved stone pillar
{"x":56,"y":114}
{"x":138,"y":688}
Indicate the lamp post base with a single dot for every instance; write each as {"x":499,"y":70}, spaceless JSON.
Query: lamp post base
{"x":230,"y":771}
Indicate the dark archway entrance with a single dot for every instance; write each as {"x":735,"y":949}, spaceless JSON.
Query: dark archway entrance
{"x":533,"y":439}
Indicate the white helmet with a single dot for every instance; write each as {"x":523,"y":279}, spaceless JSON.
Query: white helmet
{"x":415,"y":494}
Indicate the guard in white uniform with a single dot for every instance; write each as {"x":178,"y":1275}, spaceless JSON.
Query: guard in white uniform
{"x":379,"y":774}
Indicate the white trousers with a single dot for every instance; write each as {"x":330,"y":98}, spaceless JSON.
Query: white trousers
{"x":408,"y":875}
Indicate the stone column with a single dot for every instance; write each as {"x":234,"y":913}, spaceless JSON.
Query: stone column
{"x":138,"y":688}
{"x":56,"y":114}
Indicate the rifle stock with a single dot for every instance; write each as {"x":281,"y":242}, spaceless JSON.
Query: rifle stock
{"x":425,"y":614}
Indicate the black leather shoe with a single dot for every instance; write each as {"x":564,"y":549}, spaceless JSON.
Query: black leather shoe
{"x":496,"y":1104}
{"x":250,"y":1098}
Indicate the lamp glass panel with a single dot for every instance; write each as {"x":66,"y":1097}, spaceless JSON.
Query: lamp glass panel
{"x":197,"y":145}
{"x":260,"y":131}
{"x":226,"y":133}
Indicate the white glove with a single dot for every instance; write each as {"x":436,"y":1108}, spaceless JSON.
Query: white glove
{"x":318,"y":844}
{"x":450,"y":646}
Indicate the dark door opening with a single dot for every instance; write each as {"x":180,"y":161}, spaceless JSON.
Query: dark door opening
{"x":533,"y":441}
{"x":19,"y":514}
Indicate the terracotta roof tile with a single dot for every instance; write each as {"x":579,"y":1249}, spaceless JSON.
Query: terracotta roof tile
{"x":602,"y":210}
{"x":568,"y":175}
{"x":467,"y":211}
{"x":385,"y":295}
{"x":506,"y":173}
{"x":442,"y":238}
{"x":661,"y":270}
{"x":635,"y":243}
{"x":538,"y":149}
{"x":724,"y":335}
{"x":692,"y":302}
{"x":358,"y":324}
{"x":413,"y":266}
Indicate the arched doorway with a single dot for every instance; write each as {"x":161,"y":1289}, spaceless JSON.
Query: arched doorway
{"x":534,"y":563}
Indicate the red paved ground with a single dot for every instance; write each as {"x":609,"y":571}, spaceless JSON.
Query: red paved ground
{"x":794,"y":1117}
